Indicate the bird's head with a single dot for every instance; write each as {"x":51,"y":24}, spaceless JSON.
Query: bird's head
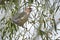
{"x":28,"y":10}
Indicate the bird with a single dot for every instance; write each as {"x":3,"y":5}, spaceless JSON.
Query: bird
{"x":22,"y":17}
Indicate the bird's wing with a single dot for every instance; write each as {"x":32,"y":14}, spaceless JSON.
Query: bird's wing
{"x":21,"y":15}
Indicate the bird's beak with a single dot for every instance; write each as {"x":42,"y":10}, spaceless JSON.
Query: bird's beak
{"x":30,"y":9}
